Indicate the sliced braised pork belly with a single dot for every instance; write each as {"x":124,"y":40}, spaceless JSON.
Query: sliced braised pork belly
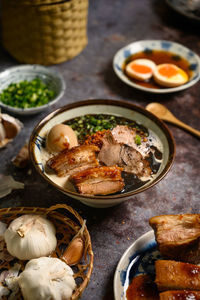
{"x":113,"y":153}
{"x":178,"y":236}
{"x":173,"y":275}
{"x":98,"y":181}
{"x":142,"y":287}
{"x":70,"y":161}
{"x":180,"y":295}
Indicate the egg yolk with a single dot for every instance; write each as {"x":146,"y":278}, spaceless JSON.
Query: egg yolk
{"x":168,"y":71}
{"x":141,"y":68}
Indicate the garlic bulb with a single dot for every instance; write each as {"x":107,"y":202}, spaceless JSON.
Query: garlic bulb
{"x":30,"y":236}
{"x":46,"y":278}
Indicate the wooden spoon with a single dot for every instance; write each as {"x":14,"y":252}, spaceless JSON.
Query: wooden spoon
{"x":163,"y":113}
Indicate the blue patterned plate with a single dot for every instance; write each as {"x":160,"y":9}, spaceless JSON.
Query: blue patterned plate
{"x":188,"y":8}
{"x":139,"y":258}
{"x":149,"y":45}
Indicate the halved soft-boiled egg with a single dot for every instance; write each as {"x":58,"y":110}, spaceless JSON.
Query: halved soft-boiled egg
{"x":169,"y":75}
{"x":61,"y":137}
{"x":140,"y":69}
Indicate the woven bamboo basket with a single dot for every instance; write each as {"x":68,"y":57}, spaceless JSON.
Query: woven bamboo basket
{"x":44,"y":32}
{"x":67,"y":222}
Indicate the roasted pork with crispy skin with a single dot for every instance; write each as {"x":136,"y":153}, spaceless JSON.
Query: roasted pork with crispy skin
{"x":173,"y":275}
{"x":178,"y":236}
{"x":71,"y":161}
{"x":142,"y":287}
{"x":180,"y":295}
{"x":125,"y":156}
{"x":98,"y":181}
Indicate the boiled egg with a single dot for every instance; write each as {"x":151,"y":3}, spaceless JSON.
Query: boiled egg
{"x":140,"y":69}
{"x":169,"y":75}
{"x":61,"y":137}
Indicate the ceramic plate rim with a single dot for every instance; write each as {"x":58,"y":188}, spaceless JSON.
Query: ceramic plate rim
{"x":182,"y":12}
{"x":156,"y":91}
{"x":144,"y":239}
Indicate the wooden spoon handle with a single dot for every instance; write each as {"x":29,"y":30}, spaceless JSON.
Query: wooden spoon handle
{"x":184,"y":126}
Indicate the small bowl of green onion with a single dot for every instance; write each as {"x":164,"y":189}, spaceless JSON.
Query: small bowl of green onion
{"x":30,"y":89}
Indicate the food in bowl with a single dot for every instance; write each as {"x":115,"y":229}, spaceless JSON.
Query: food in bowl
{"x":113,"y":155}
{"x":140,"y":69}
{"x":61,"y":137}
{"x":178,"y":236}
{"x":172,"y":272}
{"x":27,"y":94}
{"x":157,"y":69}
{"x":159,"y":136}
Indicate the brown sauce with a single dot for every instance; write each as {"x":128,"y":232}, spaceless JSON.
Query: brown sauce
{"x":142,"y":287}
{"x":159,"y":57}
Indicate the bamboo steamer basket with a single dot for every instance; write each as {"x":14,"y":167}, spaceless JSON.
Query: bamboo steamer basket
{"x":67,"y":223}
{"x":44,"y":31}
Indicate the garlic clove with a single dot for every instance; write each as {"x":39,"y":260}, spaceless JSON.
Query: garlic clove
{"x":75,"y":250}
{"x":2,"y":132}
{"x":7,"y":184}
{"x":21,"y":160}
{"x":9,"y":128}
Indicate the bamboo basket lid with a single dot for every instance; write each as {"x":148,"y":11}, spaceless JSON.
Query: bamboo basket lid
{"x":44,"y":34}
{"x":67,"y":223}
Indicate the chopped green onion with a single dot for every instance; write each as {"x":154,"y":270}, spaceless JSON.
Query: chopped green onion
{"x":27,"y":94}
{"x":138,"y":140}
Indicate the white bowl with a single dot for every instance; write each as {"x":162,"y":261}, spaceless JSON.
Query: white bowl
{"x":112,"y":107}
{"x":52,"y":79}
{"x":175,"y":48}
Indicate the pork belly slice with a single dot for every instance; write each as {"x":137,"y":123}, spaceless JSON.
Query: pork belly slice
{"x":98,"y":181}
{"x":173,"y":275}
{"x":142,"y":287}
{"x":180,"y":295}
{"x":113,"y":153}
{"x":70,"y":161}
{"x":178,"y":236}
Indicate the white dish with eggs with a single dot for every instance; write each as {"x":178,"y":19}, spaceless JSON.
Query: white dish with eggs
{"x":176,"y":53}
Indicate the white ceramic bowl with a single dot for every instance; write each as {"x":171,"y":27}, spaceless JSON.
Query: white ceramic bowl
{"x":149,"y":45}
{"x":112,"y":107}
{"x":52,"y":79}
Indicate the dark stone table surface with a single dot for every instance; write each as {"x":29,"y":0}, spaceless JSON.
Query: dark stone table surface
{"x":112,"y":25}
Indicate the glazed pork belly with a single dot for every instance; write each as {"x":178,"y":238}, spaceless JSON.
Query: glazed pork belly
{"x":178,"y":236}
{"x":68,"y":162}
{"x":142,"y":287}
{"x":98,"y":181}
{"x":180,"y":295}
{"x":123,"y":155}
{"x":173,"y":275}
